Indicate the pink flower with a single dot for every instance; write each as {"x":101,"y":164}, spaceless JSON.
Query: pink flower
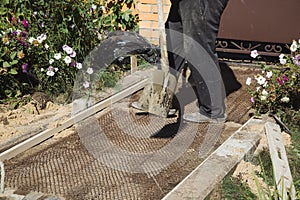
{"x":73,"y":54}
{"x":14,"y":20}
{"x":25,"y":68}
{"x":296,"y":60}
{"x":280,"y":81}
{"x":73,"y":64}
{"x":285,"y":78}
{"x":252,"y":99}
{"x":25,"y":23}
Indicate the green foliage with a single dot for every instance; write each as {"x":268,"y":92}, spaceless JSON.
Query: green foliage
{"x":293,"y":154}
{"x":43,"y":43}
{"x":234,"y":188}
{"x":277,"y":88}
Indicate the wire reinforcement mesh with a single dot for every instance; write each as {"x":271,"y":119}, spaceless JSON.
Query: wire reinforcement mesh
{"x":76,"y":167}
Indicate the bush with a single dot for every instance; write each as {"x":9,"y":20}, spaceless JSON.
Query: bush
{"x":277,"y":88}
{"x":43,"y":43}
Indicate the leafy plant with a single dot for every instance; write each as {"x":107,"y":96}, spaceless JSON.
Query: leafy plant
{"x":234,"y":188}
{"x":277,"y":88}
{"x":43,"y":43}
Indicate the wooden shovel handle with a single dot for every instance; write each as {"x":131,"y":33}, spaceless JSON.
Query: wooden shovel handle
{"x":162,"y":38}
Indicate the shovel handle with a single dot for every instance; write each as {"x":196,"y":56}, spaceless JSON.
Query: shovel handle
{"x":162,"y":38}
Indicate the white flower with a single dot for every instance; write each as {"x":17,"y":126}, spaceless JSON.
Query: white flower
{"x":31,"y":39}
{"x":282,"y":61}
{"x":263,"y":98}
{"x":86,"y":84}
{"x":281,"y":56}
{"x":41,"y":38}
{"x":57,"y":56}
{"x":90,"y":70}
{"x":51,"y":61}
{"x":55,"y":69}
{"x":265,"y":84}
{"x":261,"y":80}
{"x":254,"y":54}
{"x":68,"y":49}
{"x":269,"y":74}
{"x":46,"y":46}
{"x":264,"y":92}
{"x":73,"y":54}
{"x":257,"y":89}
{"x":67,"y":60}
{"x":293,"y":47}
{"x":248,"y":81}
{"x":42,"y":69}
{"x":50,"y":73}
{"x":285,"y":99}
{"x":94,"y":7}
{"x":65,"y":47}
{"x":18,"y":31}
{"x":78,"y":65}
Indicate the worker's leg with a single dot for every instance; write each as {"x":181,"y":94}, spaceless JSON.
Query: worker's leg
{"x":175,"y":49}
{"x":175,"y":45}
{"x":201,"y":20}
{"x":174,"y":34}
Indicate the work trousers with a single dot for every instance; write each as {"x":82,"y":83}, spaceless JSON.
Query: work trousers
{"x":191,"y":30}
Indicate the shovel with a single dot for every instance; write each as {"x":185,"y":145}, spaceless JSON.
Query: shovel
{"x":158,"y":94}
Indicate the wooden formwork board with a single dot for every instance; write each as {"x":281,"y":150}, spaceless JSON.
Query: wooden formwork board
{"x":40,"y":137}
{"x":282,"y":173}
{"x":200,"y":182}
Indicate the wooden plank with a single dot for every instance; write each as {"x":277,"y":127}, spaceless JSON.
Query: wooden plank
{"x":200,"y":182}
{"x":27,"y":144}
{"x":133,"y":63}
{"x":282,"y":173}
{"x":2,"y":177}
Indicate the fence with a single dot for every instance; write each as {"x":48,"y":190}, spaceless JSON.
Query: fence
{"x":266,"y":25}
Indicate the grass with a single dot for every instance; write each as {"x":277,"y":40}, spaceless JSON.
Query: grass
{"x":234,"y":188}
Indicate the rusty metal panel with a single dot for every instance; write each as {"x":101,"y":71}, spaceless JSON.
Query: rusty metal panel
{"x":268,"y":23}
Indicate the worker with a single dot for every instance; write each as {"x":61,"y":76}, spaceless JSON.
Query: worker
{"x":191,"y":28}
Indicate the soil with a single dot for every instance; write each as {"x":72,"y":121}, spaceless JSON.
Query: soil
{"x":27,"y":120}
{"x":246,"y":171}
{"x":64,"y":166}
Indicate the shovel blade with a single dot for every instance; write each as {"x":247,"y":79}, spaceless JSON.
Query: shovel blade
{"x":158,"y":94}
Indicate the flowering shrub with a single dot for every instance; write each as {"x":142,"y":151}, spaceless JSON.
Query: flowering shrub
{"x":277,"y":88}
{"x":43,"y":43}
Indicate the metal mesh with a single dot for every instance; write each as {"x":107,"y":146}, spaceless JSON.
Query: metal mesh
{"x":68,"y":168}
